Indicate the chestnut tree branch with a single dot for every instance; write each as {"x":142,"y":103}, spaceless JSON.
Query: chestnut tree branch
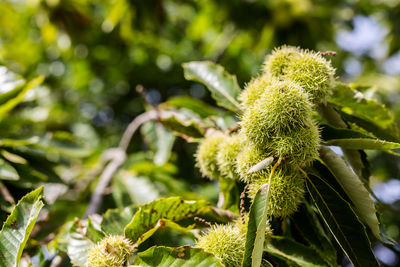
{"x":117,"y":156}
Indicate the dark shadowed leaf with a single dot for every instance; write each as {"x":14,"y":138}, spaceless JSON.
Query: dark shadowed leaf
{"x":354,"y":188}
{"x":293,"y":252}
{"x":315,"y":236}
{"x":342,"y":222}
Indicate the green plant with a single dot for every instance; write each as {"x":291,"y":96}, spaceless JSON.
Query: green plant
{"x":110,"y":251}
{"x":284,"y":196}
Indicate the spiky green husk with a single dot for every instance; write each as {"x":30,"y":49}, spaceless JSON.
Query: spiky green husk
{"x":312,"y":72}
{"x":206,"y":155}
{"x":227,"y":154}
{"x":285,"y":194}
{"x":112,"y":251}
{"x":283,"y":107}
{"x":276,"y":63}
{"x":309,"y":69}
{"x":250,"y":156}
{"x":225,"y":242}
{"x":300,"y":146}
{"x":243,"y":227}
{"x":253,"y":90}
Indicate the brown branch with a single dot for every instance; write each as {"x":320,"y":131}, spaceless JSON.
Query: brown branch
{"x":328,"y":53}
{"x":6,"y":194}
{"x":134,"y":125}
{"x":118,"y":156}
{"x":242,"y":209}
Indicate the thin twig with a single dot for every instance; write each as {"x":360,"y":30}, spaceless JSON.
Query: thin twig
{"x":6,"y":194}
{"x":134,"y":125}
{"x":328,"y":53}
{"x":104,"y":180}
{"x":118,"y":156}
{"x":203,"y":221}
{"x":242,"y":209}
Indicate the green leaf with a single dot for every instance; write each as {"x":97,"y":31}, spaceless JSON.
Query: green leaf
{"x":163,"y":224}
{"x":354,"y":188}
{"x":62,"y":144}
{"x":351,"y":139}
{"x":173,"y":208}
{"x":370,"y":127}
{"x":80,"y":240}
{"x":343,"y":223}
{"x":140,"y":189}
{"x":7,"y":171}
{"x":223,"y":86}
{"x":10,"y":104}
{"x":351,"y":101}
{"x":186,"y":128}
{"x":231,"y":194}
{"x":255,"y":237}
{"x":315,"y":236}
{"x":93,"y":232}
{"x":364,"y":143}
{"x":115,"y":220}
{"x":293,"y":252}
{"x":18,"y":226}
{"x":357,"y":159}
{"x":10,"y":84}
{"x":181,"y":256}
{"x":202,"y":109}
{"x":159,"y":139}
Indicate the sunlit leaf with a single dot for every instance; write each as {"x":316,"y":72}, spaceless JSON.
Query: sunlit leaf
{"x":7,"y":171}
{"x":165,"y":224}
{"x":186,"y":128}
{"x":173,"y":208}
{"x":10,"y":104}
{"x":159,"y":139}
{"x":181,"y":256}
{"x":223,"y":86}
{"x":255,"y":237}
{"x":115,"y":220}
{"x":352,"y":102}
{"x":18,"y":226}
{"x":230,"y":192}
{"x":351,"y":139}
{"x":202,"y":109}
{"x":10,"y":85}
{"x":81,"y":237}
